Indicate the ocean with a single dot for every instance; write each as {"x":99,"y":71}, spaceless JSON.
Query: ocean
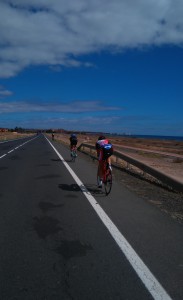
{"x":156,"y":137}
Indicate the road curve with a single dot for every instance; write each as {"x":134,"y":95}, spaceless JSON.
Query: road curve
{"x":55,"y":244}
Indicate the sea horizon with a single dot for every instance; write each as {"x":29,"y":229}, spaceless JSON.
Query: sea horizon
{"x":145,"y":136}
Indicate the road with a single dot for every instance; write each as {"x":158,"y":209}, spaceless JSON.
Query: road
{"x":62,"y":238}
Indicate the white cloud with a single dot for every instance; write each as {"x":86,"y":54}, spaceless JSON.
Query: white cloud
{"x":44,"y":32}
{"x":4,"y":93}
{"x":106,"y":123}
{"x":72,"y":107}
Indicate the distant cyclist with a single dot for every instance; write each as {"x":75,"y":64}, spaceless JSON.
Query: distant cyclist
{"x":104,"y":151}
{"x":53,"y":136}
{"x":73,"y":141}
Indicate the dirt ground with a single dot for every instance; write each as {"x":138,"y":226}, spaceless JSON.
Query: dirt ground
{"x":4,"y":136}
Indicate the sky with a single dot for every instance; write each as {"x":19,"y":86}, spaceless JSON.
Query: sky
{"x":101,"y":65}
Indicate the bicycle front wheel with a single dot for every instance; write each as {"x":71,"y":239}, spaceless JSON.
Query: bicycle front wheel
{"x":108,"y":182}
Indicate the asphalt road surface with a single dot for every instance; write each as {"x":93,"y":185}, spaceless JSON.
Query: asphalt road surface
{"x":62,"y":238}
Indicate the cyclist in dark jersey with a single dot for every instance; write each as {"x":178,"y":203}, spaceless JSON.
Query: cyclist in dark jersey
{"x":73,"y":140}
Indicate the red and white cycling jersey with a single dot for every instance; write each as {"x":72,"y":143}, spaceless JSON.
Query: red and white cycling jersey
{"x":99,"y":147}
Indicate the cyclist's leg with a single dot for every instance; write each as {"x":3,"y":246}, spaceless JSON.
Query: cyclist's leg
{"x":73,"y":153}
{"x":71,"y":149}
{"x":100,"y":174}
{"x":75,"y":150}
{"x":108,"y":183}
{"x":109,"y":163}
{"x":101,"y":163}
{"x":100,"y":167}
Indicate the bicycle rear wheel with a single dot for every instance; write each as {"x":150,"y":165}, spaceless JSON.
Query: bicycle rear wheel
{"x":73,"y":155}
{"x":108,"y":182}
{"x":98,"y":177}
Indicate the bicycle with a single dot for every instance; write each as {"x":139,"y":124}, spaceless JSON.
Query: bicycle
{"x":107,"y":177}
{"x":73,"y":153}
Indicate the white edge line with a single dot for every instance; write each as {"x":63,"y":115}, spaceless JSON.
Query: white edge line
{"x":3,"y":155}
{"x":148,"y":279}
{"x":18,"y":139}
{"x":11,"y":151}
{"x":17,"y":147}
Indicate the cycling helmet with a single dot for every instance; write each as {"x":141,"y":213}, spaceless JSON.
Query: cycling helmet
{"x":102,"y":137}
{"x":73,"y":135}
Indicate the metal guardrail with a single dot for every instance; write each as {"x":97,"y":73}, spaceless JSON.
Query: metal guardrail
{"x":165,"y":179}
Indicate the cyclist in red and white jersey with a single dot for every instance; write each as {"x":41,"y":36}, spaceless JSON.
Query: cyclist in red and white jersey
{"x":101,"y":145}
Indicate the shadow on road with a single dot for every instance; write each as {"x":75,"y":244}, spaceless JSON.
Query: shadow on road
{"x":94,"y":190}
{"x":55,"y":159}
{"x":70,"y":187}
{"x":87,"y":188}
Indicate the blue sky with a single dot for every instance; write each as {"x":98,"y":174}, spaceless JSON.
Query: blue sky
{"x":97,"y":66}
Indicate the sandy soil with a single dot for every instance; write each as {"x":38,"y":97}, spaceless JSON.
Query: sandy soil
{"x":4,"y":136}
{"x":163,"y":155}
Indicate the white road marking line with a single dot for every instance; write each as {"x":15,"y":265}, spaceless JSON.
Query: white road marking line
{"x":3,"y":155}
{"x":148,"y":279}
{"x":2,"y":142}
{"x":17,"y":147}
{"x":11,"y":151}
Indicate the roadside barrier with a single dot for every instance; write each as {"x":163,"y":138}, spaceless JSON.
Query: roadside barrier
{"x":165,"y":179}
